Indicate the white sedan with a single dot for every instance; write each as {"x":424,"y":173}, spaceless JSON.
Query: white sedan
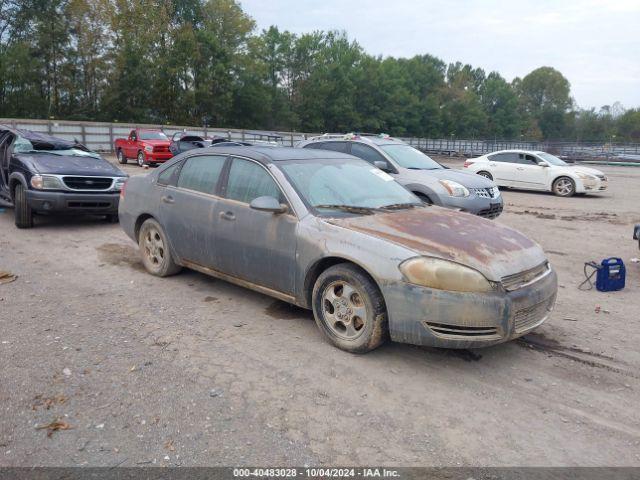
{"x":533,"y":170}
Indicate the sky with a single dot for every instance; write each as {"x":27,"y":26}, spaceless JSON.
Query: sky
{"x":594,"y":43}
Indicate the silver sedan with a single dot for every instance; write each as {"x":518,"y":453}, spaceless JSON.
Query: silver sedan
{"x":330,"y":232}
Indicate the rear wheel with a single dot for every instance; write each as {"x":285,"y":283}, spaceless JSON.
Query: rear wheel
{"x":485,"y":174}
{"x":564,"y":187}
{"x":349,"y":309}
{"x":154,"y":247}
{"x":22,"y":210}
{"x":141,"y":160}
{"x":121,"y":158}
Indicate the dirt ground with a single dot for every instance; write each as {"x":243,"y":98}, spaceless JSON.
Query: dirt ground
{"x":189,"y":370}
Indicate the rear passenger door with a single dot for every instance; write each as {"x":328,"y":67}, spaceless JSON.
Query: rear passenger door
{"x":188,"y":205}
{"x":502,"y":167}
{"x":256,"y":246}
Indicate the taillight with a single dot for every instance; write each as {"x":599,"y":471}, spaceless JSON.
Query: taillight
{"x":467,"y":163}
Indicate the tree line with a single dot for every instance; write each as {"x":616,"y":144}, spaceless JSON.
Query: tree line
{"x":203,"y":62}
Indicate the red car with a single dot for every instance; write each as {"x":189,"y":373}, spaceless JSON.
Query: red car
{"x":148,"y":147}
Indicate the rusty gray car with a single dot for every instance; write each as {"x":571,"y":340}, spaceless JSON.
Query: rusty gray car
{"x":331,"y":233}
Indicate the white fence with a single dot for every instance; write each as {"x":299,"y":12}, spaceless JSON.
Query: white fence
{"x":100,"y":137}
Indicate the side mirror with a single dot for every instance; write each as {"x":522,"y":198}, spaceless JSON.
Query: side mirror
{"x":381,"y":165}
{"x":268,"y":204}
{"x":542,"y":163}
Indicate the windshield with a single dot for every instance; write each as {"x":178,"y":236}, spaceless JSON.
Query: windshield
{"x":153,"y":136}
{"x":552,"y":159}
{"x":409,"y":157}
{"x":22,"y":145}
{"x":337,"y":184}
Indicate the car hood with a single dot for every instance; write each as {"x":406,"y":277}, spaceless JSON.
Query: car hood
{"x":491,"y":248}
{"x":71,"y":165}
{"x":156,"y":143}
{"x":426,"y":177}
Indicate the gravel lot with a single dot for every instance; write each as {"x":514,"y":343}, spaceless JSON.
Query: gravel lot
{"x":189,"y":370}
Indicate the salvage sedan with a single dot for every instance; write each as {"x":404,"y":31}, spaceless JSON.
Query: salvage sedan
{"x":329,"y":232}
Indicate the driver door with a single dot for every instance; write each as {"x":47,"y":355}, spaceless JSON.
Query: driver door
{"x":529,"y":174}
{"x":256,"y":246}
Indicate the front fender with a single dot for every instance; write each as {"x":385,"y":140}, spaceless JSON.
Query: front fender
{"x":14,"y":178}
{"x":424,"y":190}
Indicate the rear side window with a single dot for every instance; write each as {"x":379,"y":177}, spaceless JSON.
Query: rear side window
{"x":201,"y":173}
{"x":333,"y":146}
{"x":366,"y":153}
{"x":248,"y":181}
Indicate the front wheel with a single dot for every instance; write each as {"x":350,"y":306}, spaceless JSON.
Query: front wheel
{"x":141,"y":160}
{"x":564,"y":187}
{"x":22,"y":210}
{"x":121,"y":158}
{"x":154,"y":247}
{"x":349,"y":309}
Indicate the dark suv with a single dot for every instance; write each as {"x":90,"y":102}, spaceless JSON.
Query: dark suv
{"x":417,"y":172}
{"x":44,"y":174}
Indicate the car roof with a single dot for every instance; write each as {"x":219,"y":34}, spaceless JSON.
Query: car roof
{"x":277,"y":154}
{"x":515,"y":150}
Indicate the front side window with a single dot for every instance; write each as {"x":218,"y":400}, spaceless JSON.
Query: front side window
{"x":201,"y":173}
{"x":366,"y":153}
{"x":327,"y":184}
{"x":249,"y":180}
{"x":552,"y":159}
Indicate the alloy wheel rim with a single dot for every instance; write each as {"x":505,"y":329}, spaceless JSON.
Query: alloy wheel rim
{"x":154,"y":247}
{"x":344,"y":310}
{"x":564,"y":187}
{"x":140,"y":159}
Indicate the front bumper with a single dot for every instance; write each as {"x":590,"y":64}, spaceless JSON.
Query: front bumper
{"x":158,"y":157}
{"x":73,"y":203}
{"x":481,"y":206}
{"x":591,"y":186}
{"x":438,"y":318}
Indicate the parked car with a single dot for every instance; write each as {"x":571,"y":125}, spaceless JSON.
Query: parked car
{"x":534,"y":170}
{"x":41,"y":174}
{"x":329,"y":232}
{"x":184,"y":141}
{"x":636,"y":234}
{"x":148,"y":147}
{"x":426,"y":178}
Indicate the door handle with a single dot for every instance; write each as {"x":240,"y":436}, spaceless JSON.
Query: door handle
{"x":492,"y":164}
{"x":168,"y":199}
{"x":520,"y":168}
{"x":227,"y":215}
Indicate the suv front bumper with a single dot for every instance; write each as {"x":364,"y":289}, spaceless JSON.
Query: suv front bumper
{"x":73,"y":203}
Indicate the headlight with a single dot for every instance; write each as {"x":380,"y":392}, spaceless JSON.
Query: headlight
{"x":454,"y":188}
{"x":46,"y":182}
{"x":444,"y":275}
{"x":117,"y":185}
{"x":586,"y":176}
{"x":148,"y":148}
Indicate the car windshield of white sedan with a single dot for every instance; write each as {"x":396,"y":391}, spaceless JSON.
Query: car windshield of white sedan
{"x":22,"y":145}
{"x":153,"y":136}
{"x":409,"y":157}
{"x":346,"y":185}
{"x":552,"y":159}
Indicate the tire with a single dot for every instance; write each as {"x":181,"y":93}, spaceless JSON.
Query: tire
{"x":155,"y":251}
{"x":564,"y":187}
{"x":121,"y":157}
{"x":349,"y":309}
{"x":485,"y":174}
{"x":22,"y":210}
{"x":423,"y":197}
{"x":140,"y":159}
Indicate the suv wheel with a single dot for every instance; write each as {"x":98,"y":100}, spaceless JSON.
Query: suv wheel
{"x":154,"y":247}
{"x":22,"y":210}
{"x":349,"y":309}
